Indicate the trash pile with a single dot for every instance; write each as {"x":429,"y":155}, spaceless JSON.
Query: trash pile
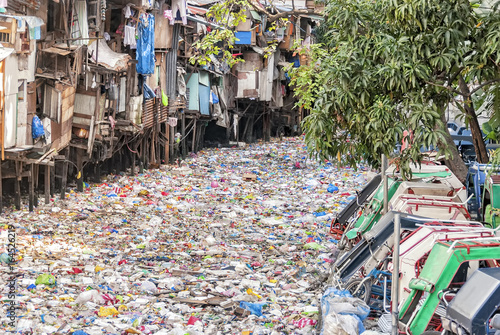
{"x":231,"y":241}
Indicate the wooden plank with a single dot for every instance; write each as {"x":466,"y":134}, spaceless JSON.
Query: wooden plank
{"x":31,"y":200}
{"x":47,"y":184}
{"x":163,"y":30}
{"x":17,"y":186}
{"x":83,"y":116}
{"x":64,"y":176}
{"x":58,"y":51}
{"x":91,"y":136}
{"x":79,"y":167}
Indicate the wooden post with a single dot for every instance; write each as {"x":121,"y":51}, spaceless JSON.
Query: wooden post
{"x":35,"y":184}
{"x":171,"y":132}
{"x":30,"y":183}
{"x":250,"y":135}
{"x":143,"y":155}
{"x":267,"y":124}
{"x":183,"y":134}
{"x":64,"y":176}
{"x":193,"y":145}
{"x":79,"y":167}
{"x":167,"y":143}
{"x":53,"y":179}
{"x":47,"y":184}
{"x":228,"y":129}
{"x":17,"y":186}
{"x":132,"y":167}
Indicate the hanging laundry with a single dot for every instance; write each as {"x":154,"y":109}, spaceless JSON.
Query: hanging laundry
{"x":126,"y":11}
{"x":145,"y":54}
{"x":172,"y":121}
{"x":168,"y":15}
{"x":178,"y":11}
{"x":148,"y":92}
{"x":3,"y":5}
{"x":129,"y":37}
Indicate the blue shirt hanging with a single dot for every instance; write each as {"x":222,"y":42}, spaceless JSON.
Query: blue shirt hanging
{"x":145,"y":53}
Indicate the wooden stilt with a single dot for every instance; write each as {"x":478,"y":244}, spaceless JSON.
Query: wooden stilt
{"x":267,"y":124}
{"x":79,"y":172}
{"x":193,"y":144}
{"x":143,"y":149}
{"x":251,"y":120}
{"x":228,"y":129}
{"x":35,"y":184}
{"x":47,"y":184}
{"x":132,"y":167}
{"x":171,"y":140}
{"x":183,"y":134}
{"x":167,"y":143}
{"x":31,"y":175}
{"x":64,"y":177}
{"x":17,"y":185}
{"x":53,"y":180}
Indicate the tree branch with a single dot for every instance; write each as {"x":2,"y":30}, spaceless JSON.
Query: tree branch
{"x":483,"y":85}
{"x":451,"y":89}
{"x":452,"y":78}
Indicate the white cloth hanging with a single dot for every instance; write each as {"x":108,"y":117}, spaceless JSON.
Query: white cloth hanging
{"x":129,"y":37}
{"x":172,"y":121}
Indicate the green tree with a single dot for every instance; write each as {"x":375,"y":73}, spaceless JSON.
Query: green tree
{"x":387,"y":66}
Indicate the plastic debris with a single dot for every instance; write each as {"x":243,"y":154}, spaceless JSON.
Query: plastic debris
{"x":231,"y":241}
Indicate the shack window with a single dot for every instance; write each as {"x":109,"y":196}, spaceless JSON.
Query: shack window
{"x":52,"y":103}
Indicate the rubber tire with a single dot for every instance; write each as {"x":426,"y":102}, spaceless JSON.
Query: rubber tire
{"x":365,"y":290}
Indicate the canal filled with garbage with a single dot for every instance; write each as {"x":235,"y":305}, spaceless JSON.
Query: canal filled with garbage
{"x":230,"y":241}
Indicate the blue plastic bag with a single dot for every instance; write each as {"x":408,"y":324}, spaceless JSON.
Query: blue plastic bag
{"x":332,"y":188}
{"x":255,"y":309}
{"x":37,"y":128}
{"x":215,"y":99}
{"x":358,"y":308}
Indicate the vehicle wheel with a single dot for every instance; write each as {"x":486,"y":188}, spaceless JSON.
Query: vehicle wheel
{"x":363,"y":292}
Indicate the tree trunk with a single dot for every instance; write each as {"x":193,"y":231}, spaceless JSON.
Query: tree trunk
{"x":477,"y":136}
{"x":455,"y":163}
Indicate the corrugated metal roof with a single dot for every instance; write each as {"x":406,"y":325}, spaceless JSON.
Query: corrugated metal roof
{"x":202,"y":2}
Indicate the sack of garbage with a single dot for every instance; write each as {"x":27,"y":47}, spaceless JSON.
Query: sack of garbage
{"x":342,"y":313}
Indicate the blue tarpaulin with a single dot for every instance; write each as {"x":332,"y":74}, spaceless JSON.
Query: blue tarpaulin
{"x":145,"y":54}
{"x":244,"y":37}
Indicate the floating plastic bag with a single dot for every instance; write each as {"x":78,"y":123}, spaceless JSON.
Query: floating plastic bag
{"x":332,"y":188}
{"x":314,"y":246}
{"x":46,"y":279}
{"x":255,"y":309}
{"x":107,"y":311}
{"x":37,"y":128}
{"x":5,"y":258}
